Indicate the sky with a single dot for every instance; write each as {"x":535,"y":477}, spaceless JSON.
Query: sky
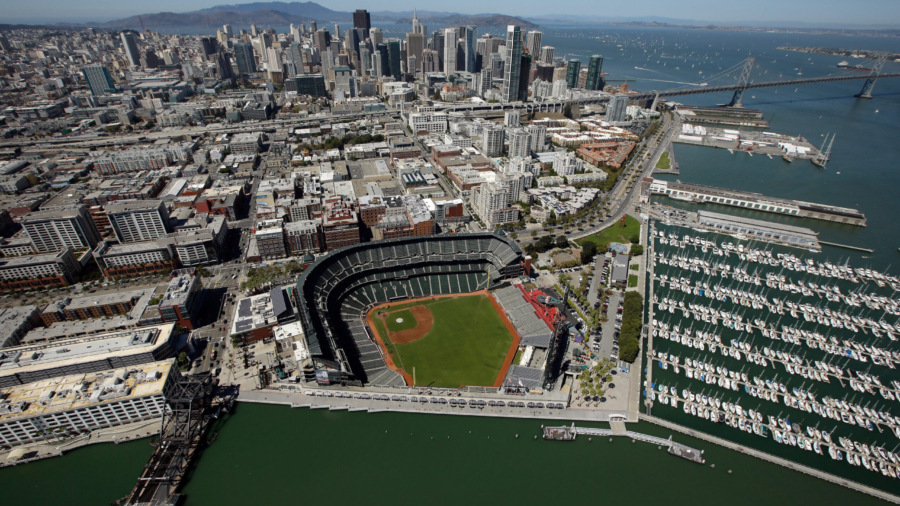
{"x":783,"y":12}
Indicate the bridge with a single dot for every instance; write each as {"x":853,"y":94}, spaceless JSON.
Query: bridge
{"x":746,"y":75}
{"x":183,"y":424}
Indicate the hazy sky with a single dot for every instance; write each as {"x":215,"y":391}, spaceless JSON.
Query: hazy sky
{"x":881,"y":12}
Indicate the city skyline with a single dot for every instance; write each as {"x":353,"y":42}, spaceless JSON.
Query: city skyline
{"x":798,"y":13}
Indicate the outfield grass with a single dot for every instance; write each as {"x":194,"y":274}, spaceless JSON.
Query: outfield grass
{"x":616,"y":233}
{"x":518,"y":357}
{"x":409,"y":321}
{"x":663,"y":162}
{"x":466,"y":345}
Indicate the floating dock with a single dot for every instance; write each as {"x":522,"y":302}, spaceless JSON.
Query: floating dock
{"x":700,"y":194}
{"x":569,"y":433}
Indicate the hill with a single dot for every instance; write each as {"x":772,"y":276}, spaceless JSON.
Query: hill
{"x":488,"y":21}
{"x":211,"y":19}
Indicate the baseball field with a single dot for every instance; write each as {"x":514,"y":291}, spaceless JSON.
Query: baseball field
{"x":450,"y":341}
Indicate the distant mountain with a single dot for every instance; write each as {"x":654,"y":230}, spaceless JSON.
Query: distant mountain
{"x":482,"y":20}
{"x":208,"y":19}
{"x":309,"y":10}
{"x":285,"y":13}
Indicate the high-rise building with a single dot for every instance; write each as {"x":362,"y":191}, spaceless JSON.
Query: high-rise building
{"x":57,"y":229}
{"x":492,"y":140}
{"x":362,"y":20}
{"x":524,"y":75}
{"x":538,"y":137}
{"x":229,"y":31}
{"x":99,"y":80}
{"x":376,"y":36}
{"x":394,"y":58}
{"x":385,"y":60}
{"x":313,"y":27}
{"x":572,"y":71}
{"x":437,"y":44}
{"x":534,"y":44}
{"x":254,"y":31}
{"x":594,"y":74}
{"x":615,"y":108}
{"x":560,"y":87}
{"x":512,"y":72}
{"x":485,"y":81}
{"x":512,"y":118}
{"x":223,"y":66}
{"x":450,"y":41}
{"x":295,"y":33}
{"x":547,"y":54}
{"x":415,"y":44}
{"x":243,"y":54}
{"x":129,"y":43}
{"x":322,"y":40}
{"x":469,"y":48}
{"x":273,"y":59}
{"x":140,"y":220}
{"x":519,"y":142}
{"x":150,"y":60}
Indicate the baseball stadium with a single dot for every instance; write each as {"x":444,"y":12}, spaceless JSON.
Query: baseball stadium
{"x":415,"y":310}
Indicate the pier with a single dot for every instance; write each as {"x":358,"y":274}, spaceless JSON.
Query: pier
{"x":847,"y":246}
{"x":569,"y":433}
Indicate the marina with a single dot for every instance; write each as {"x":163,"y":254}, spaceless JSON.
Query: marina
{"x":787,"y":349}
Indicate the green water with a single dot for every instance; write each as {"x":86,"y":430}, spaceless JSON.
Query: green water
{"x":267,"y":454}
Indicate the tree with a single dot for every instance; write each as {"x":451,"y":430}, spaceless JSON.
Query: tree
{"x":588,"y":251}
{"x":635,"y":239}
{"x":637,"y":250}
{"x":183,"y":360}
{"x":562,"y":242}
{"x":534,"y":233}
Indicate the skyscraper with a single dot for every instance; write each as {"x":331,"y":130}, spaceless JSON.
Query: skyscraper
{"x":385,"y":68}
{"x":229,"y":31}
{"x":469,"y":47}
{"x":243,"y":55}
{"x":362,"y":20}
{"x":99,"y":80}
{"x":376,"y":36}
{"x":415,"y":44}
{"x":295,"y":32}
{"x":322,"y":39}
{"x":547,"y":54}
{"x":594,"y":75}
{"x":615,"y":108}
{"x":534,"y":44}
{"x":512,"y":71}
{"x":129,"y":43}
{"x":450,"y":40}
{"x":572,"y":71}
{"x":394,"y":57}
{"x":437,"y":44}
{"x":223,"y":66}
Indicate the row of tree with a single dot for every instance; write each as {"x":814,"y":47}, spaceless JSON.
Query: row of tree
{"x":630,"y":335}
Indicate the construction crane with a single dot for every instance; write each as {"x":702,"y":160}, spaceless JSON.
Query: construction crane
{"x":825,"y":153}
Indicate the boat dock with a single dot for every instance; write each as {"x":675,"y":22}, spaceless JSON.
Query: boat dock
{"x":741,"y":141}
{"x":569,"y":433}
{"x":701,"y":194}
{"x":722,"y":116}
{"x":847,"y":246}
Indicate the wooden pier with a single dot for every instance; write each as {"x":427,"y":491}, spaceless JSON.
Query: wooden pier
{"x":847,"y":246}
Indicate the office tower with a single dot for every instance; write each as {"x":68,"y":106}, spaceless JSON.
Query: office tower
{"x":138,"y":220}
{"x":615,"y":108}
{"x":362,"y":20}
{"x":295,"y":52}
{"x":378,"y":63}
{"x":254,"y":31}
{"x":469,"y":48}
{"x":365,"y":60}
{"x":496,"y":65}
{"x":385,"y":59}
{"x":430,"y":61}
{"x":512,"y":73}
{"x":295,"y":32}
{"x":376,"y":36}
{"x":492,"y":140}
{"x":170,"y":57}
{"x":534,"y":44}
{"x":243,"y":55}
{"x":223,"y":66}
{"x":129,"y":43}
{"x":273,"y":59}
{"x":150,"y":60}
{"x":437,"y":44}
{"x":543,"y":72}
{"x":594,"y":75}
{"x":538,"y":137}
{"x":416,"y":27}
{"x":485,"y":81}
{"x":208,"y":45}
{"x":322,"y":40}
{"x":572,"y":71}
{"x":229,"y":31}
{"x":547,"y":54}
{"x":99,"y":80}
{"x":337,"y":31}
{"x":524,"y":76}
{"x":313,"y":27}
{"x":57,"y":229}
{"x":450,"y":49}
{"x":394,"y":58}
{"x":415,"y":44}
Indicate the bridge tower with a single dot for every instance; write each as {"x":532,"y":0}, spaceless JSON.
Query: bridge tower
{"x":870,"y":82}
{"x":738,"y":98}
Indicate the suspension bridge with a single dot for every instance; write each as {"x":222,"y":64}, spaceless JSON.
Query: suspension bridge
{"x":746,"y":75}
